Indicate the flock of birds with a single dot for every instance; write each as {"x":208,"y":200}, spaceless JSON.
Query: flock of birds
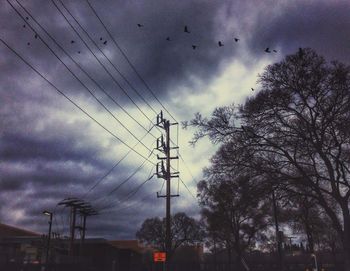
{"x":220,"y":43}
{"x":185,"y":30}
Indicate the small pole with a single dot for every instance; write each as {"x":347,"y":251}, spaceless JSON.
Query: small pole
{"x":315,"y":261}
{"x":49,"y":236}
{"x":278,"y":235}
{"x":82,"y":240}
{"x":72,"y":230}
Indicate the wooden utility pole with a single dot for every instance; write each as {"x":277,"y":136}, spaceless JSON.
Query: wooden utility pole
{"x":85,"y":209}
{"x":72,"y":229}
{"x":165,"y":173}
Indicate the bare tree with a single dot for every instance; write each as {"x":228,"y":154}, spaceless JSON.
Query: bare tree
{"x":185,"y":231}
{"x":295,"y":131}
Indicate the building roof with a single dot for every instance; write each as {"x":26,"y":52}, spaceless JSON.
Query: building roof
{"x":8,"y":231}
{"x":129,"y":244}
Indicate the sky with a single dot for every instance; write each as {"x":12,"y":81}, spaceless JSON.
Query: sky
{"x":80,"y":108}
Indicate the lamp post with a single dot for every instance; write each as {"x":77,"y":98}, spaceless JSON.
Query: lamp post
{"x":49,"y":237}
{"x":315,"y":262}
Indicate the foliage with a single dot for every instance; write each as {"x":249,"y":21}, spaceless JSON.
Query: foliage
{"x":235,"y":216}
{"x":184,"y":231}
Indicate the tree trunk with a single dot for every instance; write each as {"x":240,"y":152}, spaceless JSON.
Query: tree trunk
{"x":310,"y":239}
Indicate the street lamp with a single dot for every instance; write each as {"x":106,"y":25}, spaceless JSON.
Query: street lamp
{"x":49,"y":237}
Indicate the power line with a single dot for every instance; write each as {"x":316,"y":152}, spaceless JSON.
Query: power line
{"x":135,"y":204}
{"x":188,"y":169}
{"x":140,"y":77}
{"x":82,"y":69}
{"x":94,"y":95}
{"x":114,"y":166}
{"x":126,"y":180}
{"x":128,"y":60}
{"x":74,"y":103}
{"x":108,"y":72}
{"x":126,"y":57}
{"x":131,"y":193}
{"x":126,"y":80}
{"x":77,"y":78}
{"x":188,"y":189}
{"x":113,"y":78}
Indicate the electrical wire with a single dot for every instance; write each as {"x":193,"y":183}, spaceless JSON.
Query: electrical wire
{"x":100,"y":86}
{"x":124,"y":181}
{"x":103,"y":66}
{"x":114,"y":166}
{"x":126,"y":57}
{"x":77,"y":78}
{"x":113,"y":78}
{"x":188,"y":169}
{"x":82,"y":69}
{"x":131,"y":193}
{"x":140,"y":77}
{"x":188,"y":189}
{"x":135,"y":204}
{"x":128,"y":60}
{"x":74,"y":103}
{"x":119,"y":72}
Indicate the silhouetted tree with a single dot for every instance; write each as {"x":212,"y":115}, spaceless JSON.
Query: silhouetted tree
{"x":295,"y":131}
{"x":184,"y":231}
{"x":234,"y":214}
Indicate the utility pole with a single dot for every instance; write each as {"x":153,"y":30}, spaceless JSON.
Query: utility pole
{"x":165,"y":173}
{"x":72,"y":229}
{"x":75,"y":205}
{"x":85,"y":211}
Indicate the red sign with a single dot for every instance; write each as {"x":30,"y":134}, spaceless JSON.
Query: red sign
{"x":159,"y":256}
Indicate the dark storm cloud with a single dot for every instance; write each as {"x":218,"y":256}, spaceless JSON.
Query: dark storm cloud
{"x":23,"y":147}
{"x":46,"y":157}
{"x":321,"y":25}
{"x":166,"y":61}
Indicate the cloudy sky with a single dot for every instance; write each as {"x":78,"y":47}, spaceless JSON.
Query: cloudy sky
{"x":67,"y":120}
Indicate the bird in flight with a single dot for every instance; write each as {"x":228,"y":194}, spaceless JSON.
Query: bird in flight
{"x":140,"y":25}
{"x":275,"y":51}
{"x":36,"y":36}
{"x":186,"y":29}
{"x":105,"y":42}
{"x":28,"y":43}
{"x":236,"y":39}
{"x":72,"y":41}
{"x":78,"y":52}
{"x":267,"y":50}
{"x":194,"y":47}
{"x":168,"y":38}
{"x":24,"y":26}
{"x":252,"y":89}
{"x":101,"y":38}
{"x":220,"y":44}
{"x":27,"y":18}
